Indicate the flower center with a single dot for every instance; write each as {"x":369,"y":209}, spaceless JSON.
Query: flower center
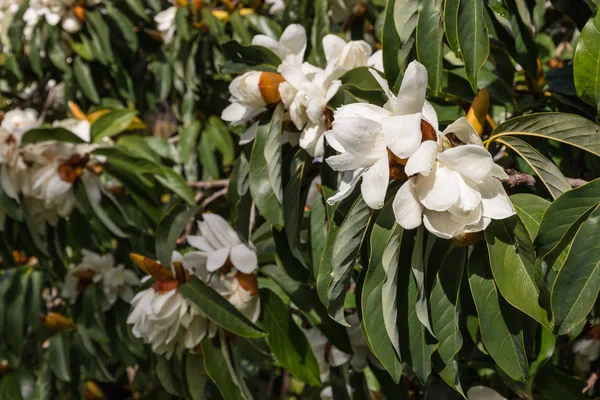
{"x":72,"y":169}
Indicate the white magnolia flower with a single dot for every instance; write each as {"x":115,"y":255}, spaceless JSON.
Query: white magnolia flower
{"x":483,"y":393}
{"x":219,"y":244}
{"x":455,"y":191}
{"x":81,"y":128}
{"x":376,"y":60}
{"x":17,"y":122}
{"x":277,"y":7}
{"x":169,"y":322}
{"x":364,"y":133}
{"x":586,"y":351}
{"x":53,"y":11}
{"x":165,"y":21}
{"x":115,"y":280}
{"x":250,"y":96}
{"x":289,"y":48}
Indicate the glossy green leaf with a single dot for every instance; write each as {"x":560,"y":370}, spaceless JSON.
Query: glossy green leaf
{"x":293,"y":203}
{"x":216,"y":367}
{"x":389,"y":290}
{"x":176,"y":183}
{"x":499,"y":322}
{"x":430,"y":33}
{"x":196,"y":375}
{"x":383,"y":236}
{"x":286,"y":340}
{"x":137,"y":6}
{"x":15,"y":321}
{"x":512,"y":261}
{"x":112,"y":123}
{"x":451,"y":24}
{"x":218,"y":309}
{"x":549,"y":173}
{"x":444,"y":315}
{"x":265,"y":168}
{"x":564,"y":215}
{"x":44,"y":134}
{"x":84,"y":78}
{"x":474,"y":45}
{"x":391,"y":43}
{"x":554,"y":384}
{"x":126,"y":27}
{"x":59,"y":352}
{"x":405,"y":13}
{"x":576,"y":287}
{"x":343,"y":256}
{"x":530,"y":209}
{"x":320,"y":29}
{"x":565,"y":128}
{"x":170,"y":228}
{"x":586,"y":66}
{"x":188,"y":136}
{"x":419,"y":270}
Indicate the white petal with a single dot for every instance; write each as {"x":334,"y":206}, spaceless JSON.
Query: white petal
{"x":411,"y":96}
{"x":333,"y":46}
{"x":375,"y":182}
{"x":237,"y":113}
{"x":421,"y":162}
{"x":407,"y":209}
{"x":498,"y":172}
{"x":216,"y":259}
{"x":464,"y":131}
{"x":347,"y":184}
{"x":294,"y":39}
{"x":430,"y":115}
{"x":403,"y":134}
{"x":441,"y":224}
{"x":221,"y":229}
{"x":470,"y":160}
{"x":249,"y":135}
{"x":483,"y":393}
{"x":438,"y":191}
{"x":495,"y":201}
{"x":243,"y":259}
{"x":382,"y":82}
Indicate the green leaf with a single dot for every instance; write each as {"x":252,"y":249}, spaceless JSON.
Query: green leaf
{"x":549,"y":173}
{"x":15,"y":322}
{"x":451,"y":24}
{"x":83,"y":75}
{"x":218,"y":309}
{"x":444,"y":315}
{"x":389,"y":290}
{"x":196,"y":375}
{"x":125,"y":25}
{"x":44,"y":134}
{"x":86,"y":193}
{"x":265,"y":168}
{"x":188,"y":136}
{"x":293,"y":203}
{"x":530,"y":209}
{"x":564,"y":215}
{"x":137,"y":6}
{"x":554,"y":384}
{"x":286,"y":340}
{"x":238,"y":196}
{"x":59,"y":352}
{"x":112,"y":123}
{"x":100,"y":35}
{"x":218,"y":371}
{"x":10,"y":386}
{"x":175,"y":182}
{"x":383,"y":236}
{"x":586,"y":65}
{"x":430,"y":35}
{"x":320,"y":29}
{"x":473,"y":39}
{"x":318,"y":231}
{"x":512,"y":261}
{"x":500,"y":323}
{"x":165,"y":371}
{"x":576,"y":287}
{"x":405,"y":18}
{"x":418,"y":266}
{"x":391,"y":41}
{"x":343,"y":256}
{"x":169,"y":229}
{"x":565,"y":128}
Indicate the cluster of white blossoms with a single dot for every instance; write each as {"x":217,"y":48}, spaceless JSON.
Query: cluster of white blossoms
{"x":43,"y":174}
{"x":115,"y":280}
{"x":452,"y":183}
{"x":171,"y":323}
{"x":303,"y":88}
{"x":68,"y":13}
{"x":165,"y":23}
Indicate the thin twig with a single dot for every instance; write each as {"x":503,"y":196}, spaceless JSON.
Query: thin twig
{"x":214,"y":196}
{"x":576,"y":182}
{"x":208,"y":184}
{"x":47,"y":104}
{"x":516,"y":178}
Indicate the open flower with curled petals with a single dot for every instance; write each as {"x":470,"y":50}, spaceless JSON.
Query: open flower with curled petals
{"x":289,"y":48}
{"x":162,"y":316}
{"x":454,"y":189}
{"x":115,"y":280}
{"x":16,"y":122}
{"x":221,"y":246}
{"x":374,"y":143}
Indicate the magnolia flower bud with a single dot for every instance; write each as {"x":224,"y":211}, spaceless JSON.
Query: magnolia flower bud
{"x":56,"y":321}
{"x":151,"y":267}
{"x":79,"y":13}
{"x":268,"y":84}
{"x":478,"y":111}
{"x":77,"y":111}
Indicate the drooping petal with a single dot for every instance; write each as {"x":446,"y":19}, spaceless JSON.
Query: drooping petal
{"x":199,"y":242}
{"x":333,"y":46}
{"x":430,"y":115}
{"x":421,"y":162}
{"x":464,"y":131}
{"x":470,"y":160}
{"x":294,"y":39}
{"x":195,"y":262}
{"x":249,"y":135}
{"x":382,"y":82}
{"x":221,"y":229}
{"x":375,"y":182}
{"x":347,"y":184}
{"x":311,"y":138}
{"x":498,"y":172}
{"x":402,"y":134}
{"x":411,"y":96}
{"x":441,"y":224}
{"x":495,"y":201}
{"x":237,"y":113}
{"x":216,"y":259}
{"x":407,"y":209}
{"x":439,"y":190}
{"x":243,"y":259}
